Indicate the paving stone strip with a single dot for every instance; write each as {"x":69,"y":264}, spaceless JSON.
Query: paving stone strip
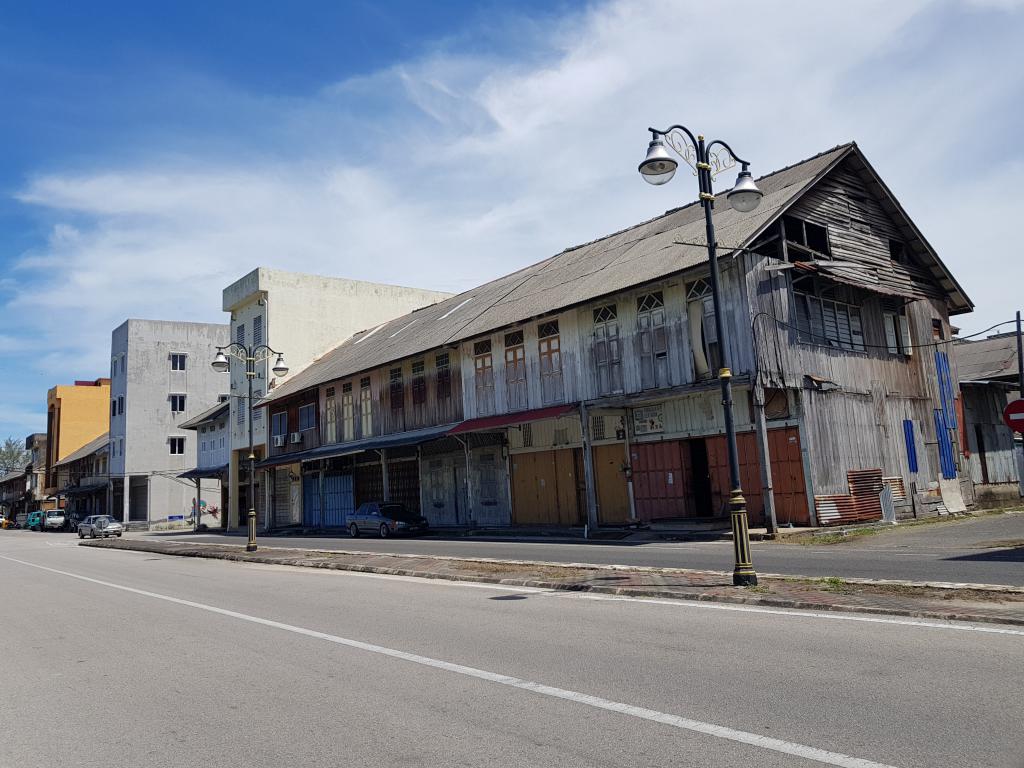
{"x":971,"y":603}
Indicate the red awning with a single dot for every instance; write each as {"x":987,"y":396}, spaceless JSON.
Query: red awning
{"x":508,"y":419}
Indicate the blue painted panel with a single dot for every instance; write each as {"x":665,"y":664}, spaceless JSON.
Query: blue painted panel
{"x":945,"y":381}
{"x":908,"y":436}
{"x":945,"y":446}
{"x":311,"y":501}
{"x":339,"y":501}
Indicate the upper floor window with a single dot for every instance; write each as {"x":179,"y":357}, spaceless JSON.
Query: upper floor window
{"x":176,"y":446}
{"x":177,"y":361}
{"x":365,"y":407}
{"x":307,"y":417}
{"x":257,"y":413}
{"x":829,"y":315}
{"x":483,"y":376}
{"x":177,"y":403}
{"x":120,"y":404}
{"x":257,"y":330}
{"x":549,"y":348}
{"x":330,"y":417}
{"x":113,"y":406}
{"x":443,"y":370}
{"x":279,"y":424}
{"x":897,"y":251}
{"x":897,"y":332}
{"x":607,"y":352}
{"x":348,"y":416}
{"x":652,"y":340}
{"x":515,"y":371}
{"x":396,"y":389}
{"x":419,"y":383}
{"x":806,"y":236}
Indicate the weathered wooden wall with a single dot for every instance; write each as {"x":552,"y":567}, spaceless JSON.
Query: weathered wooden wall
{"x":983,"y":408}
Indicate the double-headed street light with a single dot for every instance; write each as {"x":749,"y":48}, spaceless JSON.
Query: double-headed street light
{"x":250,"y":356}
{"x":707,"y":161}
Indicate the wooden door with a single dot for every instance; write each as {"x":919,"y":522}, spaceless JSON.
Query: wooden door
{"x":610,"y":481}
{"x":567,"y":487}
{"x":661,"y":485}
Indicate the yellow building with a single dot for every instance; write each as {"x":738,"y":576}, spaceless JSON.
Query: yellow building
{"x":75,"y":415}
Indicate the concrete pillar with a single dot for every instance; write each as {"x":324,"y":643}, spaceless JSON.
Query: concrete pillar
{"x":384,"y":473}
{"x":127,"y":498}
{"x":233,"y":477}
{"x":588,"y":470}
{"x":764,"y":460}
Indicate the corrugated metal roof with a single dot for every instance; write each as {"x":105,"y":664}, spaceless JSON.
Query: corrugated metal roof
{"x":991,"y":358}
{"x":209,"y":414}
{"x":12,"y":475}
{"x":89,"y":448}
{"x":648,"y":251}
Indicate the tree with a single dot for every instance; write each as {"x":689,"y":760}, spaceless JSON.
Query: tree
{"x":13,"y":455}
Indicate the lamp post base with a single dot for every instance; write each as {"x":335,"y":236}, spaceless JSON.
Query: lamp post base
{"x":743,"y":574}
{"x":251,"y":547}
{"x":251,"y":544}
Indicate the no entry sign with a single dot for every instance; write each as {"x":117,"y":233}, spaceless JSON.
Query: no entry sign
{"x":1013,"y":415}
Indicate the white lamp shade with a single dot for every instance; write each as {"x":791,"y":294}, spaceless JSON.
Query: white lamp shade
{"x":220,"y":362}
{"x":745,"y":195}
{"x":658,"y":167}
{"x":280,"y":369}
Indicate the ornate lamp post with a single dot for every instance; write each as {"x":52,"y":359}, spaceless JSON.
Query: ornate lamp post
{"x":250,"y":356}
{"x":707,"y":162}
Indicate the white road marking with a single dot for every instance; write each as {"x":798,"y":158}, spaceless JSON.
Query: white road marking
{"x":675,"y":721}
{"x":669,"y":602}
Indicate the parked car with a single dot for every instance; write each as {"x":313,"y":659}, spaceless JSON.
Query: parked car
{"x":54,"y":520}
{"x":99,"y":525}
{"x":385,"y":519}
{"x":6,"y":522}
{"x":21,"y":519}
{"x":36,"y":520}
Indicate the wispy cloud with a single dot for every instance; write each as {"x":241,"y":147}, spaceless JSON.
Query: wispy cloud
{"x":452,"y":168}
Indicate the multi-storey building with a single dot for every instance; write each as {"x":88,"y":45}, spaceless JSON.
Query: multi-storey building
{"x":160,"y":377}
{"x":75,"y":414}
{"x":210,"y":474}
{"x":83,"y":479}
{"x":300,"y":316}
{"x":584,"y":388}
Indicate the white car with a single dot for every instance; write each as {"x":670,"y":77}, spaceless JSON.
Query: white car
{"x":99,"y":525}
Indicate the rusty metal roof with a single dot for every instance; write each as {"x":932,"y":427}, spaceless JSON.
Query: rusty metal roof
{"x":654,"y":249}
{"x":991,"y":358}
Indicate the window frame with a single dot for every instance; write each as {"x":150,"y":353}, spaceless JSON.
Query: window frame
{"x":176,"y":358}
{"x":307,"y":417}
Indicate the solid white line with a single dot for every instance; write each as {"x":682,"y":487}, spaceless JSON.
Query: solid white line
{"x":697,"y":726}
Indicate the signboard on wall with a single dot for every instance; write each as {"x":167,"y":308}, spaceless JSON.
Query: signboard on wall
{"x":649,"y":420}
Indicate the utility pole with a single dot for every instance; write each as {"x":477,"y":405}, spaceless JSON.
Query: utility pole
{"x":1020,"y":393}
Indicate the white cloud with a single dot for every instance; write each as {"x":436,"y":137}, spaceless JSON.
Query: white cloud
{"x":446,"y":171}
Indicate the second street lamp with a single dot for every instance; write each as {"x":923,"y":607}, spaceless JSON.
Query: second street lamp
{"x":250,"y":356}
{"x":707,"y":161}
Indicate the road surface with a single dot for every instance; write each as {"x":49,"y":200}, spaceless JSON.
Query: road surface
{"x":959,"y":551}
{"x":132,"y":659}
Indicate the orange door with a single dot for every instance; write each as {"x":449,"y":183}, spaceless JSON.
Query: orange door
{"x":610,"y":481}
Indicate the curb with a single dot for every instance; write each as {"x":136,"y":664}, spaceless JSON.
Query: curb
{"x":672,"y":594}
{"x":952,"y":585}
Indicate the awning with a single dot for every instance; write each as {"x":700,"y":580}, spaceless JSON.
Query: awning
{"x":85,"y":488}
{"x":201,"y":473}
{"x":508,"y":419}
{"x":412,"y":437}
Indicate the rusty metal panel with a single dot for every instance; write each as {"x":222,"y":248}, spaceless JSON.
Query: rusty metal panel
{"x":860,"y":505}
{"x":660,"y":480}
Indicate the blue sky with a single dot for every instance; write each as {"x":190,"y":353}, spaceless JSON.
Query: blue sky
{"x":154,"y":154}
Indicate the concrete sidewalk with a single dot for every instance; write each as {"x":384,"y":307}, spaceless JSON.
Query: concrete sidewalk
{"x":971,"y":603}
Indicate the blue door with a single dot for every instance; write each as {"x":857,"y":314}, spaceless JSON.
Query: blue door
{"x":311,"y":501}
{"x":339,"y":500}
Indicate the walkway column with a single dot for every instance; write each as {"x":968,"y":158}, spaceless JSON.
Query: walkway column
{"x":384,"y":474}
{"x":588,"y":470}
{"x":765,"y":462}
{"x":125,"y":509}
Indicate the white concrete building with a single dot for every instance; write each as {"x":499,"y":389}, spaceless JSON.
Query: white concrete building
{"x":213,"y":448}
{"x":160,"y":378}
{"x":301,"y":316}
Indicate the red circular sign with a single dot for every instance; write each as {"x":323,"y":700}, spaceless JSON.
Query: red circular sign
{"x":1013,"y":415}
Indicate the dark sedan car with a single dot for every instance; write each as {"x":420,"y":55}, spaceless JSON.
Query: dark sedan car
{"x":385,"y":518}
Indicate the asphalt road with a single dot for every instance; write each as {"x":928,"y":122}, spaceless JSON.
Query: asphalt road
{"x":131,"y":659}
{"x":973,"y":550}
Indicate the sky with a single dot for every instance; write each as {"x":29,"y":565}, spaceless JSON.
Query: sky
{"x":152,"y":154}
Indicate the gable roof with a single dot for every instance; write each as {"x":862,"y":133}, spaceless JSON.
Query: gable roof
{"x":86,"y":450}
{"x":987,"y":359}
{"x":654,"y":249}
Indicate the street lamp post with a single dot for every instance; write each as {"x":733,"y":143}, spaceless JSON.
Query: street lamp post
{"x":250,"y":356}
{"x":707,"y":162}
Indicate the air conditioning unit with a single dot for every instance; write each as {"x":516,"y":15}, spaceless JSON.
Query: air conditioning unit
{"x":296,"y":438}
{"x":279,"y":441}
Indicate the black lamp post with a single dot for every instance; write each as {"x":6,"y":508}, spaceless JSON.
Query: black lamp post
{"x":250,"y":356}
{"x":658,"y":168}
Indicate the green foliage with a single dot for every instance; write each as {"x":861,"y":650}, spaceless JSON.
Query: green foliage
{"x":13,"y":455}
